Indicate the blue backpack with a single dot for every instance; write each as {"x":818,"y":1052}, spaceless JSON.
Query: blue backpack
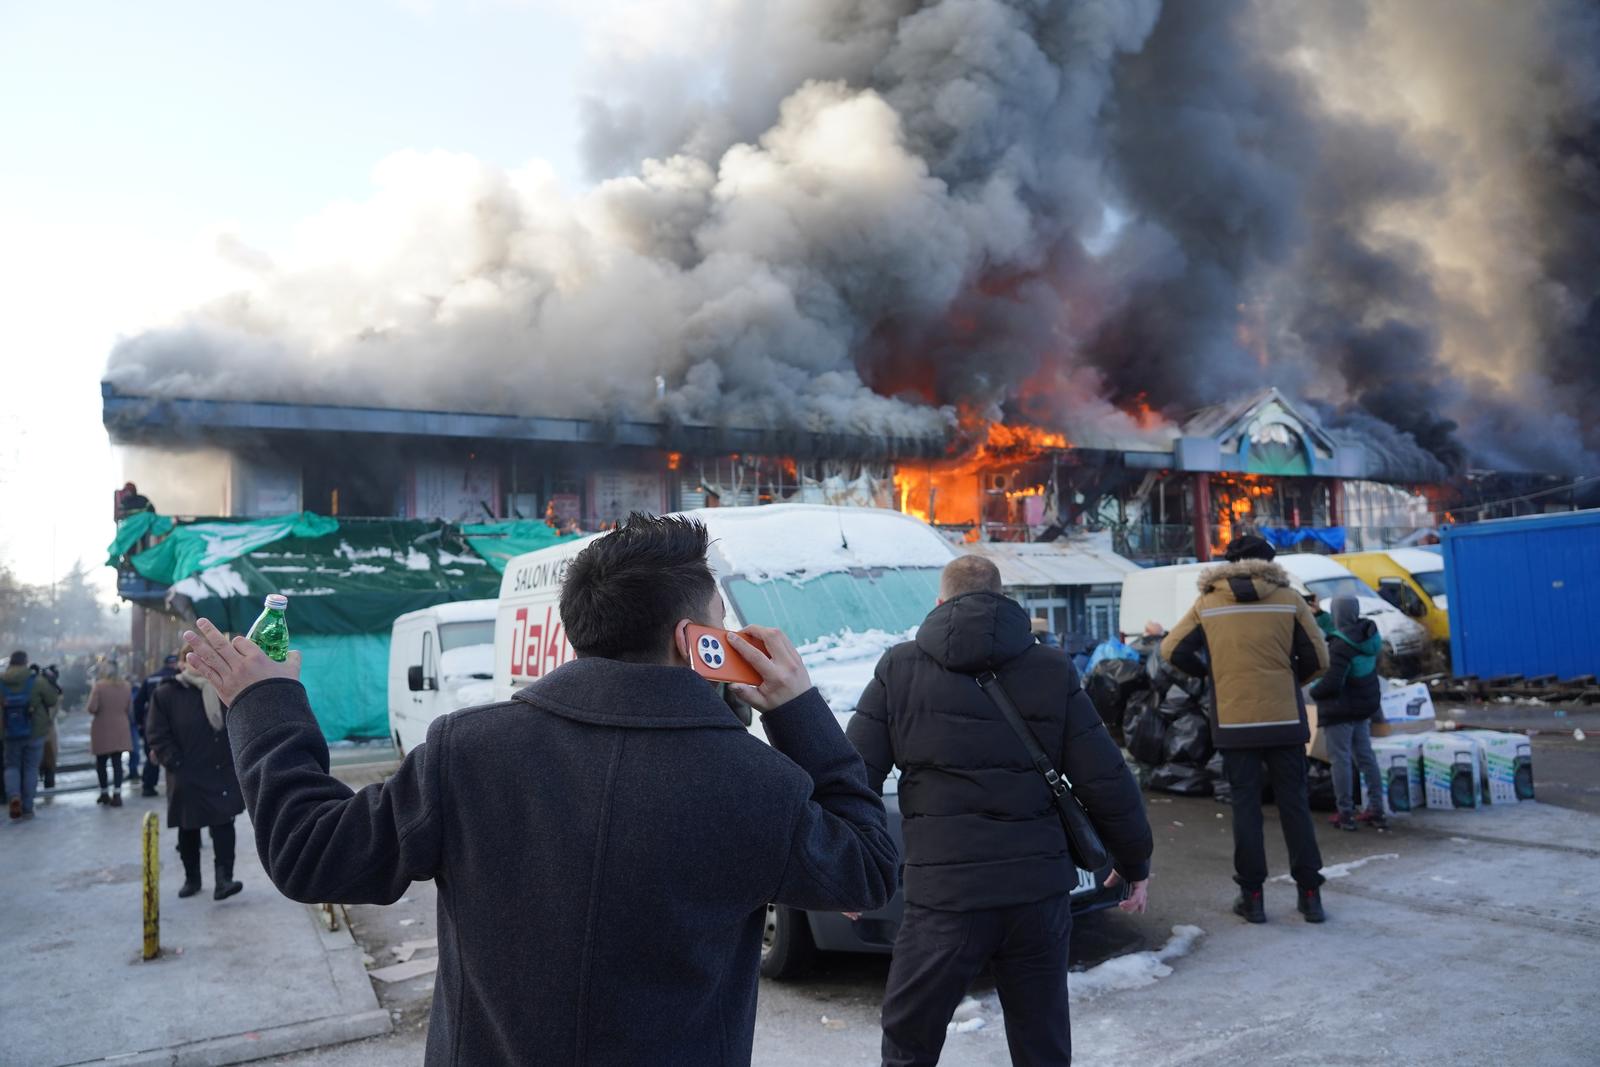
{"x":19,"y":710}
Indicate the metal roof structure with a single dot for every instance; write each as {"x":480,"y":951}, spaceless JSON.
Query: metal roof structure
{"x":130,"y":418}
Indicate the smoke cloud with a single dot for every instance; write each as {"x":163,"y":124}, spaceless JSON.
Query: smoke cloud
{"x":860,"y":217}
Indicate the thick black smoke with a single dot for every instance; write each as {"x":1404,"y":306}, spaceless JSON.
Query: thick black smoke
{"x":844,"y":215}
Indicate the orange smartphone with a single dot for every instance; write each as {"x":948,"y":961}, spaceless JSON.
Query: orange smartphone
{"x":713,"y":657}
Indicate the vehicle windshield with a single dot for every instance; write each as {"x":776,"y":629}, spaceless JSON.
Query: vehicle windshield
{"x":888,"y":599}
{"x":1344,"y":585}
{"x":1432,"y":582}
{"x":461,"y":634}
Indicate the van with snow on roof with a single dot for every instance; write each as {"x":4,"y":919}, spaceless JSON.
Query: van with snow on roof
{"x":845,"y":584}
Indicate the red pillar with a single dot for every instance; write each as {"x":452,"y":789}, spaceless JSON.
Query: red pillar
{"x":1202,"y":517}
{"x":1335,"y":503}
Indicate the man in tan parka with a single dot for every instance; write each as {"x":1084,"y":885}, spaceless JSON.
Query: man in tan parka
{"x":1258,"y":641}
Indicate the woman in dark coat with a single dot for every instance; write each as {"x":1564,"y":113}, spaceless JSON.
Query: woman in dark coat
{"x":187,"y":735}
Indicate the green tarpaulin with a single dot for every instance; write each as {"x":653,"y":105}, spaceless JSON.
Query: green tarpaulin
{"x":347,"y":680}
{"x":194,"y":547}
{"x":133,"y":529}
{"x":501,"y":542}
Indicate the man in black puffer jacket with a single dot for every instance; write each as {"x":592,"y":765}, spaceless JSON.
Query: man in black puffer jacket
{"x":988,"y":874}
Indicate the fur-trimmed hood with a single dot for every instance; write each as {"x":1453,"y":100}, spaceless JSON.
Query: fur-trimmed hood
{"x":1257,"y":570}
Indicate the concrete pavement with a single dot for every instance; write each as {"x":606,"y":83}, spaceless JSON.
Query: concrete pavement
{"x":237,"y":980}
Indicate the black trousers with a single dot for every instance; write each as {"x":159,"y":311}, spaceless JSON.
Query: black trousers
{"x":223,"y":838}
{"x":938,"y":954}
{"x":1286,"y":768}
{"x":115,"y":759}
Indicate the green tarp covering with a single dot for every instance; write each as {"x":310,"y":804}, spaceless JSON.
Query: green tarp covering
{"x":133,"y":529}
{"x":347,"y":679}
{"x":501,"y":542}
{"x":347,"y":580}
{"x":194,"y":547}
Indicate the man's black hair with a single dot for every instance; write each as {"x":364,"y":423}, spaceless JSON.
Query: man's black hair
{"x":19,"y":659}
{"x":623,"y":595}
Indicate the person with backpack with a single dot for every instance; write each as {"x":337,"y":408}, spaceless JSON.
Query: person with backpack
{"x":989,"y":869}
{"x":1348,"y":699}
{"x":28,"y":698}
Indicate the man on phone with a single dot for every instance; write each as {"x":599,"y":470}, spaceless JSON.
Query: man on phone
{"x":988,"y":872}
{"x":605,"y":843}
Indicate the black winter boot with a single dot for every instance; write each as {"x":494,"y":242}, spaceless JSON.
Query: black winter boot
{"x":226,"y":886}
{"x":1310,"y":905}
{"x":191,"y":876}
{"x":1250,"y":906}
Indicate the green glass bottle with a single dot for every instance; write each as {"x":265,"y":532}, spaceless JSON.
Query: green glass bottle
{"x":271,"y":631}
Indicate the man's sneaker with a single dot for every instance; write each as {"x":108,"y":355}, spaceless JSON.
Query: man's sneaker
{"x":116,"y":800}
{"x":1345,"y":822}
{"x":1310,"y":905}
{"x":16,"y":807}
{"x":148,"y":792}
{"x":1250,"y":907}
{"x":103,"y":798}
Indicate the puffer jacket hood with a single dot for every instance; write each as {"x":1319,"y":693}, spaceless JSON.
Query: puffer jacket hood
{"x":975,"y":632}
{"x":1363,"y":636}
{"x":1249,"y":580}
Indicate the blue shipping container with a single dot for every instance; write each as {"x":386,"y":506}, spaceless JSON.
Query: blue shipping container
{"x":1525,"y":595}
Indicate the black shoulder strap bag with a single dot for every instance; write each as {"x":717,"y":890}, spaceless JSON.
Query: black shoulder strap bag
{"x":1083,"y":840}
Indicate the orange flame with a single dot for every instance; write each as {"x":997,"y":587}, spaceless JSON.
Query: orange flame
{"x":674,"y":460}
{"x":1237,"y":500}
{"x":981,"y":485}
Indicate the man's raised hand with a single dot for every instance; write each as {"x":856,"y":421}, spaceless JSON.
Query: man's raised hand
{"x":233,"y":666}
{"x":783,"y":675}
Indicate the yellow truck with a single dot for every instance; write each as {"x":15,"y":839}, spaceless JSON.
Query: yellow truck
{"x":1412,"y":579}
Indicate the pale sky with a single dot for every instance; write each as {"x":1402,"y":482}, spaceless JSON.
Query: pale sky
{"x":132,"y":134}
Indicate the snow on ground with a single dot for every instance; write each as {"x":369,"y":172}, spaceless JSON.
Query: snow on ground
{"x":1342,"y":870}
{"x":1133,"y":971}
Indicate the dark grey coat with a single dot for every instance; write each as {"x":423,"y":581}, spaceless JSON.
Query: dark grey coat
{"x":605,"y":845}
{"x":202,"y":790}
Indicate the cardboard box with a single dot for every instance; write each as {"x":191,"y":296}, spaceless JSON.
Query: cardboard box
{"x":1506,"y":766}
{"x":1400,"y":764}
{"x":1451,"y":769}
{"x":1407,"y":705}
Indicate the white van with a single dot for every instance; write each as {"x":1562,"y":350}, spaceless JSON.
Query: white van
{"x":440,"y":659}
{"x":845,"y":584}
{"x":1404,"y":639}
{"x":1163,"y":594}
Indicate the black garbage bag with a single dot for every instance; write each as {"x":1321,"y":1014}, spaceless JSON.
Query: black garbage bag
{"x":1319,"y":786}
{"x":1144,"y":730}
{"x":1178,"y":778}
{"x":1188,"y":740}
{"x":1111,"y":684}
{"x":1219,"y":779}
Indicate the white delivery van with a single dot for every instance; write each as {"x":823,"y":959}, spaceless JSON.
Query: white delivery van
{"x":845,"y":584}
{"x":1163,"y":594}
{"x":440,"y":659}
{"x":1404,"y":639}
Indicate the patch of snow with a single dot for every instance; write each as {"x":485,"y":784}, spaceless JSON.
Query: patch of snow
{"x":1342,"y":870}
{"x":966,"y":1026}
{"x":220,"y":581}
{"x":321,"y":591}
{"x":841,"y":664}
{"x":284,"y":569}
{"x":455,"y":560}
{"x":366,"y":568}
{"x":1135,"y":970}
{"x":348,"y":551}
{"x":417,"y":561}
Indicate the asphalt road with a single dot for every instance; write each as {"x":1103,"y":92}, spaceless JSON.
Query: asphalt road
{"x":1502,"y":903}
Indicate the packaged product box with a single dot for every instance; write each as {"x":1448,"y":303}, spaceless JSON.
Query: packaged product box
{"x":1400,"y":763}
{"x":1505,"y":766}
{"x":1451,"y":769}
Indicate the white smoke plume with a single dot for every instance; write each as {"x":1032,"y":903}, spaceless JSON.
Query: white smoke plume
{"x":852,"y":216}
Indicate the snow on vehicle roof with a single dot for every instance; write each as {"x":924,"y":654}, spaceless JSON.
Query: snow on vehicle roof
{"x":456,"y":611}
{"x":804,"y":540}
{"x":1417,"y":560}
{"x":1310,"y":567}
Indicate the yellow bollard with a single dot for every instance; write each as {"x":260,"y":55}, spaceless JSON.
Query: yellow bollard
{"x":152,"y":885}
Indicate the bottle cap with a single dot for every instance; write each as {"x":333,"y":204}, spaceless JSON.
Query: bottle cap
{"x":277,"y":601}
